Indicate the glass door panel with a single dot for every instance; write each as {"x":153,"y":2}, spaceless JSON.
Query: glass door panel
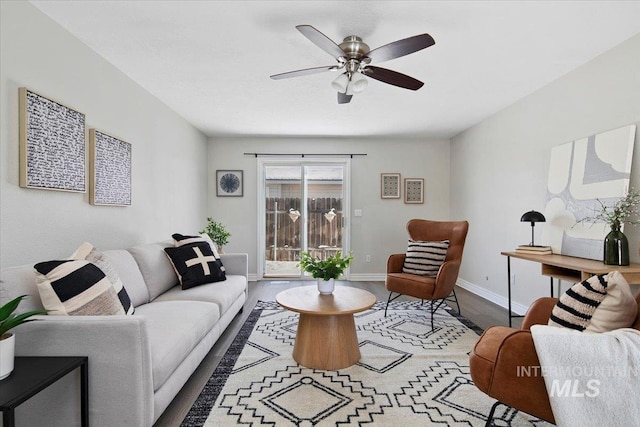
{"x":283,"y":222}
{"x":304,"y":209}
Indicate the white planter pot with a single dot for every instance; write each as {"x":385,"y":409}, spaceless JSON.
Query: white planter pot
{"x":326,"y":287}
{"x":7,"y":351}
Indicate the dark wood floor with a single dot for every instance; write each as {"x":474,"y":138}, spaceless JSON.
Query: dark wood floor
{"x":480,"y":311}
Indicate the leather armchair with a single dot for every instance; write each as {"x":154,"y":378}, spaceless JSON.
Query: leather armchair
{"x":441,"y":287}
{"x":504,"y":364}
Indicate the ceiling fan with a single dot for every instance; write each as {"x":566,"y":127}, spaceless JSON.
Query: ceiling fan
{"x":355,"y":57}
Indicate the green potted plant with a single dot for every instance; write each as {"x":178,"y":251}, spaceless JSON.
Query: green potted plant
{"x":8,"y":321}
{"x":217,"y":232}
{"x":624,"y":211}
{"x":326,"y":271}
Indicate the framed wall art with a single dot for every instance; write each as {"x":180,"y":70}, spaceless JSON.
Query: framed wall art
{"x":582,"y":174}
{"x":414,"y":190}
{"x":229,"y":183}
{"x":390,"y":185}
{"x":52,"y":144}
{"x":110,"y":174}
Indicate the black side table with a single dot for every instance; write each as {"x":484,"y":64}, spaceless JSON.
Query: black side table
{"x":32,"y":375}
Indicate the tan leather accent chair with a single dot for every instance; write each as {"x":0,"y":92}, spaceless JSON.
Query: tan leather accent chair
{"x":501,"y":356}
{"x":433,"y":289}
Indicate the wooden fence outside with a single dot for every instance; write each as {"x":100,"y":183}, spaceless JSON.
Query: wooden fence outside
{"x":283,"y":235}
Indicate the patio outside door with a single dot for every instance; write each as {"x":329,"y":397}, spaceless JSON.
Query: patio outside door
{"x":304,"y":209}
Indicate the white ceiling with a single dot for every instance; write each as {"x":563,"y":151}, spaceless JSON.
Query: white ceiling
{"x":210,"y":61}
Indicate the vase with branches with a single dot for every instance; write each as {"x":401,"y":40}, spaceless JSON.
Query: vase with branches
{"x":623,"y":211}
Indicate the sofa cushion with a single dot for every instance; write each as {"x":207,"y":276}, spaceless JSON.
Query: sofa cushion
{"x":425,"y":258}
{"x":127,"y":268}
{"x":599,"y":304}
{"x":155,"y":267}
{"x":90,"y":253}
{"x":195,"y":264}
{"x":223,"y":294}
{"x":76,"y":287}
{"x":174,"y":328}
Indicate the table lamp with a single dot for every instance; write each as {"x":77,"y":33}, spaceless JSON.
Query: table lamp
{"x":532,"y":217}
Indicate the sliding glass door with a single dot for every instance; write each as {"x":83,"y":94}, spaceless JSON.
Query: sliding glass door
{"x":304,"y":208}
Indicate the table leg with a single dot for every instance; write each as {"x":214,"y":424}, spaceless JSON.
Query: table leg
{"x":8,"y":418}
{"x":509,"y":286}
{"x":326,"y":342}
{"x":84,"y":394}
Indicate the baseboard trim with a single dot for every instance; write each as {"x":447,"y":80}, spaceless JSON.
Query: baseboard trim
{"x":492,"y":296}
{"x":367,"y":277}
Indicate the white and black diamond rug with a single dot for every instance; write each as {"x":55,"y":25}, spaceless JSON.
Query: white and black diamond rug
{"x":408,"y":375}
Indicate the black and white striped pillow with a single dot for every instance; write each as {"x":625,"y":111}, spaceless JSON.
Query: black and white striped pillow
{"x":425,"y":258}
{"x":76,"y":287}
{"x":180,"y":240}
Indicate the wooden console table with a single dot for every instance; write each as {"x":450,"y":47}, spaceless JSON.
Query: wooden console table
{"x":570,"y":269}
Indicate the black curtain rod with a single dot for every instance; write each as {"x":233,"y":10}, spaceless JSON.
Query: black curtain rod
{"x":303,"y":155}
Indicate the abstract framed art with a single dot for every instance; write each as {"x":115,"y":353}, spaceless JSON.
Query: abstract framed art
{"x":229,"y":183}
{"x":582,"y":174}
{"x":414,"y":190}
{"x":110,"y":174}
{"x":390,"y":185}
{"x":52,"y":144}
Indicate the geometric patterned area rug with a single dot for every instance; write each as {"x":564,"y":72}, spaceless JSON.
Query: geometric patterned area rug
{"x":408,"y":375}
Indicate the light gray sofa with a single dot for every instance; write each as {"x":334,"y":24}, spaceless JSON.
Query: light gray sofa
{"x":138,"y":363}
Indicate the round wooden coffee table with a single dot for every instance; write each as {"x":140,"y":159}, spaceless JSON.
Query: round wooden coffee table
{"x":326,"y":337}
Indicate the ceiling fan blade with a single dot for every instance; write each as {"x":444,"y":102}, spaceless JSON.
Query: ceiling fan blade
{"x":344,"y":98}
{"x":401,"y":48}
{"x":320,"y":40}
{"x":304,"y":72}
{"x":393,"y":78}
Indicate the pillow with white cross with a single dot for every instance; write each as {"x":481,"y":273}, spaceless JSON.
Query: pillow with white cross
{"x":195,"y":264}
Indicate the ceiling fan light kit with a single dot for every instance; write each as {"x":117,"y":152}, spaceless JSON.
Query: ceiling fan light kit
{"x":354,"y":56}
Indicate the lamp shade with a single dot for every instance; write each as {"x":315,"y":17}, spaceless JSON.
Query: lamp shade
{"x":358,"y":83}
{"x":341,"y":82}
{"x":532,"y":216}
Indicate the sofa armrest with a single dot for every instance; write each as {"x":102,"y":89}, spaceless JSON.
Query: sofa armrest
{"x":120,"y":378}
{"x":237,"y":264}
{"x":395,"y":263}
{"x":539,"y":312}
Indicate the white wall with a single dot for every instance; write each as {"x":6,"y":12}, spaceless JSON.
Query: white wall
{"x":168,"y":161}
{"x":499,"y":167}
{"x":381,"y":229}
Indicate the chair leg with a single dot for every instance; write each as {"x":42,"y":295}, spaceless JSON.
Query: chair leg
{"x":387,"y":306}
{"x":491,"y":413}
{"x":456,"y":298}
{"x":389,"y":300}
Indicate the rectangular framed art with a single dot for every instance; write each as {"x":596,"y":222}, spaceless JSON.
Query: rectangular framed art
{"x":52,"y":144}
{"x":110,"y":175}
{"x":229,"y":183}
{"x":390,"y":185}
{"x":414,"y":190}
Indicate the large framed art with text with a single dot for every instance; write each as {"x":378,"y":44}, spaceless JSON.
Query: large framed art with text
{"x":52,"y":144}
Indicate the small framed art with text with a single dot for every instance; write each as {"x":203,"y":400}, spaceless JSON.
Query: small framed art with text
{"x":229,"y":183}
{"x":390,"y":185}
{"x":110,"y":175}
{"x":414,"y":190}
